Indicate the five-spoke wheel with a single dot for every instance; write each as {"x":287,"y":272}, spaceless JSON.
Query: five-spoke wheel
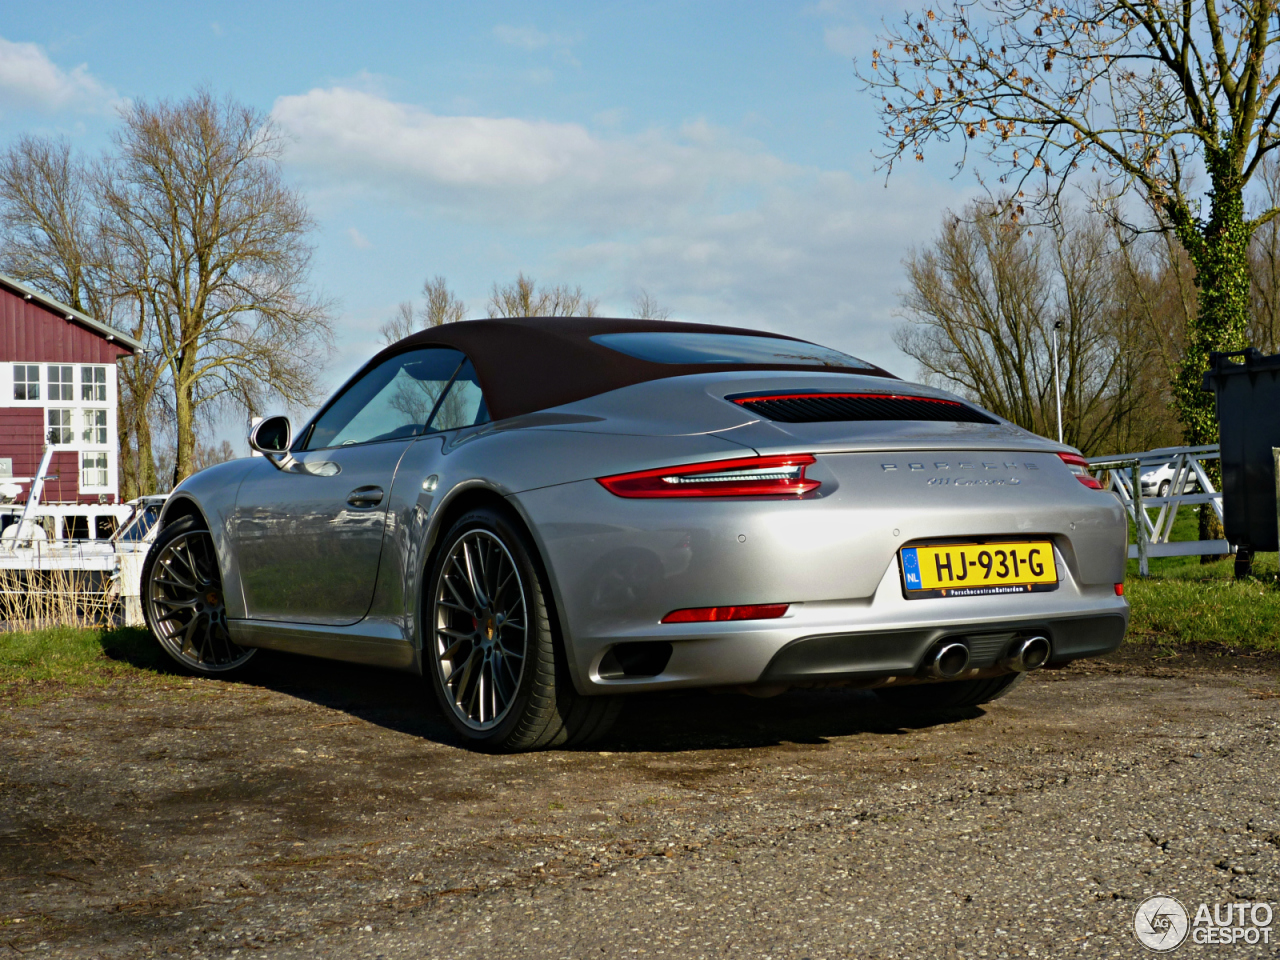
{"x":183,"y":602}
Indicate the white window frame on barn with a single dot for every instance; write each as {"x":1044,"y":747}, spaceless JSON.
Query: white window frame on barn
{"x":59,"y":429}
{"x":61,"y":382}
{"x":94,"y":469}
{"x":26,"y":381}
{"x":95,"y":427}
{"x":93,"y":384}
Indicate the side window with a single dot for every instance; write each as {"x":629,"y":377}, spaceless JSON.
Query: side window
{"x":391,"y":401}
{"x":463,"y":405}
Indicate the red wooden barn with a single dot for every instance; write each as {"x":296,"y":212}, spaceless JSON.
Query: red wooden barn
{"x":58,"y":386}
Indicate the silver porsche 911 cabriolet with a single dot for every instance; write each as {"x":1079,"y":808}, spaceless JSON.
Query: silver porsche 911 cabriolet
{"x":540,"y":515}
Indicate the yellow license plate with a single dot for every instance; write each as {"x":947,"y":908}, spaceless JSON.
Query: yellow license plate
{"x":978,"y":569}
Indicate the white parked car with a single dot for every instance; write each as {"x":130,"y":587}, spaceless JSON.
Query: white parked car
{"x":1156,"y":480}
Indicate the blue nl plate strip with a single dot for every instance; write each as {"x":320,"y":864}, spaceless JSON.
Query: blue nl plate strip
{"x":911,"y":568}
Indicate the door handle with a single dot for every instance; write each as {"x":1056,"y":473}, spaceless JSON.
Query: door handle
{"x":365,"y":497}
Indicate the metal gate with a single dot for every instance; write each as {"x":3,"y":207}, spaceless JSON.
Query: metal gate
{"x":1188,"y":474}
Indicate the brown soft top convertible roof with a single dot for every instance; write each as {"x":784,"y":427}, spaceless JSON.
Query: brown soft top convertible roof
{"x":534,"y":363}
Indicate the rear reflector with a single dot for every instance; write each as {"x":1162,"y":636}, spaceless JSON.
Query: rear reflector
{"x":757,"y":611}
{"x":1119,"y":589}
{"x":1080,"y":467}
{"x":748,"y":477}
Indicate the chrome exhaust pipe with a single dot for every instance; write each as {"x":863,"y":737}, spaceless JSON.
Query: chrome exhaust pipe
{"x":948,"y":661}
{"x":1029,"y":653}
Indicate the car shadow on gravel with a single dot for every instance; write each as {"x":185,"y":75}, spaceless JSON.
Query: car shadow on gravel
{"x":667,"y":722}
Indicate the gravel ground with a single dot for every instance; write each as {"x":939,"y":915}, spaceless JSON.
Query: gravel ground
{"x":320,"y":810}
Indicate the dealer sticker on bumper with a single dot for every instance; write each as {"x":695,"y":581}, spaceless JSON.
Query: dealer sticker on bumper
{"x":978,"y":569}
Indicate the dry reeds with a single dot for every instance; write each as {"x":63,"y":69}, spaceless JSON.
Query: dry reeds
{"x":40,"y":599}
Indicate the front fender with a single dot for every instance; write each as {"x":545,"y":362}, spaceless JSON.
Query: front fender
{"x":211,"y":495}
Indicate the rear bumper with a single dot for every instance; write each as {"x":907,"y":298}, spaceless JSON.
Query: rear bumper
{"x":895,"y":653}
{"x":861,"y":642}
{"x":616,"y":575}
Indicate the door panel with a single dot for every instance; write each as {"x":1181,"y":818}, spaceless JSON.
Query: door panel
{"x":309,"y":538}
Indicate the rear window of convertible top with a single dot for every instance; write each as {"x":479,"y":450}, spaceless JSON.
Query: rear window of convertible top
{"x":661,"y":347}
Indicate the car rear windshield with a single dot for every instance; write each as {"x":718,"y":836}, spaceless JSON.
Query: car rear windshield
{"x":693,"y":348}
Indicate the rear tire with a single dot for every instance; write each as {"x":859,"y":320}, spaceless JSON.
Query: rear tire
{"x":951,"y":695}
{"x":493,"y":656}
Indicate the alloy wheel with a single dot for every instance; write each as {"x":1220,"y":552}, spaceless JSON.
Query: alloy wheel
{"x":481,"y":629}
{"x":188,"y":612}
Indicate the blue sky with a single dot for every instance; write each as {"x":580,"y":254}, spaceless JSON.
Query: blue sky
{"x":718,"y":155}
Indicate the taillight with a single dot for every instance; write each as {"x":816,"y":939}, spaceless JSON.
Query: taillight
{"x":1119,"y":589}
{"x":755,"y":611}
{"x":1080,"y":467}
{"x":748,"y":477}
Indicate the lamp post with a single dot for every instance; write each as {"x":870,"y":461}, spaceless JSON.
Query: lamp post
{"x":1057,"y":376}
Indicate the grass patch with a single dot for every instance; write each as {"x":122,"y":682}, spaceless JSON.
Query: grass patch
{"x":1243,"y":614}
{"x":71,"y":656}
{"x":1186,"y":602}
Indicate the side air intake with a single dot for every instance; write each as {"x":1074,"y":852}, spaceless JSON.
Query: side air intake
{"x":822,"y":407}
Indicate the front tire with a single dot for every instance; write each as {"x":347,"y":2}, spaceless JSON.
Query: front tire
{"x":183,"y":604}
{"x":951,"y":695}
{"x":494,"y":661}
{"x":1164,"y":489}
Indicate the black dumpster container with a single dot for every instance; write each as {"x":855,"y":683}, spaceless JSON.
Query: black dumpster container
{"x":1247,"y":387}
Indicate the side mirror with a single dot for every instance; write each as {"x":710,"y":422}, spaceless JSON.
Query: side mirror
{"x":271,"y":437}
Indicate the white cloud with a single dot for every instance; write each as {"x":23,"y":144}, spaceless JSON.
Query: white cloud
{"x":506,"y":167}
{"x":358,"y":239}
{"x":709,"y":222}
{"x":530,"y":38}
{"x":30,"y":80}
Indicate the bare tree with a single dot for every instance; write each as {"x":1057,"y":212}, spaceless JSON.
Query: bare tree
{"x":207,"y":454}
{"x":441,"y":305}
{"x":645,"y":307}
{"x":218,"y":242}
{"x":522,"y":298}
{"x":1264,"y":268}
{"x":401,"y":325}
{"x":1137,"y":91}
{"x":53,"y":238}
{"x":983,"y":304}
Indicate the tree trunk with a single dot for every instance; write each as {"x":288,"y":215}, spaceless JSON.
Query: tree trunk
{"x":1219,"y":250}
{"x":128,"y":466}
{"x":184,"y":456}
{"x":146,"y":465}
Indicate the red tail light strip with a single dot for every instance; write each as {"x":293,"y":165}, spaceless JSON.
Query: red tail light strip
{"x":757,"y":611}
{"x":748,"y":477}
{"x":1079,"y":466}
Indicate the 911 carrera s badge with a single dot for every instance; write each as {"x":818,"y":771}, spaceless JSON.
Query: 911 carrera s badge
{"x":978,"y":569}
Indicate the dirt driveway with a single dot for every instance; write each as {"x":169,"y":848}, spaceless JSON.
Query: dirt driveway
{"x":323,"y":810}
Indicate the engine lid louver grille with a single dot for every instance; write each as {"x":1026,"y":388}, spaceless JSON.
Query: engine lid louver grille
{"x":824,"y":407}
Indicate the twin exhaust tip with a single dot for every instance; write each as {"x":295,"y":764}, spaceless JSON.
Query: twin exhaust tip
{"x":951,"y":658}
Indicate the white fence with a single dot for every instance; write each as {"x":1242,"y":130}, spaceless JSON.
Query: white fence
{"x":1189,"y":485}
